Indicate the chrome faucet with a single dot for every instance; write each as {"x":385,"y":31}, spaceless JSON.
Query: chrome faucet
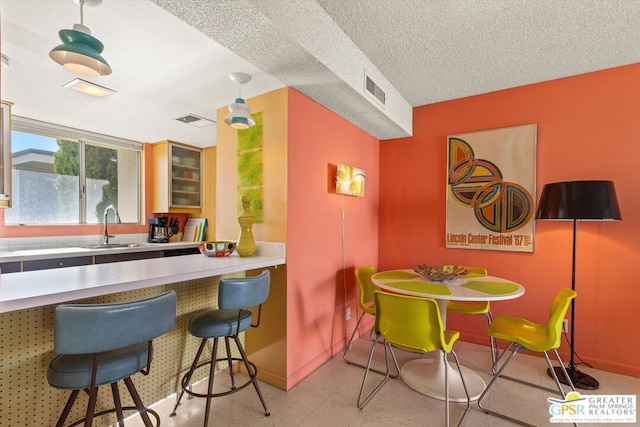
{"x":105,"y":233}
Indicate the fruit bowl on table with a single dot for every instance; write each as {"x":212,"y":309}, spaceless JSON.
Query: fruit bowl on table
{"x":217,"y":248}
{"x":445,"y":273}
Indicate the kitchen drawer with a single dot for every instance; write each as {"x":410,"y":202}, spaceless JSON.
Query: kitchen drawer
{"x":10,"y":267}
{"x":181,"y":251}
{"x":45,"y":264}
{"x":129,"y":256}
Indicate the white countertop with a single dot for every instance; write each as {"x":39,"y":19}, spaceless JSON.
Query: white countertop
{"x":74,"y":251}
{"x":45,"y":287}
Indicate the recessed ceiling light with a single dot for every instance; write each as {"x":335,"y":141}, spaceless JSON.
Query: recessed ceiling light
{"x":89,"y":88}
{"x":193,"y":120}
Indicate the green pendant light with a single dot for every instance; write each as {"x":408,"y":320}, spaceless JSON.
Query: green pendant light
{"x":239,"y":116}
{"x":80,"y":51}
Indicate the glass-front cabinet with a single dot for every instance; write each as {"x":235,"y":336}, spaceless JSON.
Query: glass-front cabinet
{"x":186,"y":173}
{"x":178,"y":177}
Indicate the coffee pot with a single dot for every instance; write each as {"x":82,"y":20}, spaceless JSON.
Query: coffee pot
{"x":159,"y":231}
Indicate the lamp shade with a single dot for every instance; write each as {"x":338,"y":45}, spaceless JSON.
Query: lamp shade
{"x":583,"y":200}
{"x":239,"y":116}
{"x":80,"y":52}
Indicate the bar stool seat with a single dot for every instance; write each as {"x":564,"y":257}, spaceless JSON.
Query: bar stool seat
{"x":218,"y":323}
{"x":74,"y":371}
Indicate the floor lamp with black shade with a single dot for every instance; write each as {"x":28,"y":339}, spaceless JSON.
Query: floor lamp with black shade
{"x":578,"y":201}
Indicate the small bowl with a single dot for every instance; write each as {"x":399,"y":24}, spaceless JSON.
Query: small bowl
{"x":218,"y":248}
{"x":445,"y":273}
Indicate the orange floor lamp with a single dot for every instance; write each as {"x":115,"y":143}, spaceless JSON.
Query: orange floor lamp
{"x":578,"y":201}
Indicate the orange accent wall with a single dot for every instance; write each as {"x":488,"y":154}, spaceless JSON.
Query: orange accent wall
{"x":318,"y":140}
{"x":588,"y":128}
{"x":303,"y":141}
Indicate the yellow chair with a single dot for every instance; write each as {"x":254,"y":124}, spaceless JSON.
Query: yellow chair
{"x":367,"y":306}
{"x":523,"y":334}
{"x":477,"y":307}
{"x":412,"y":324}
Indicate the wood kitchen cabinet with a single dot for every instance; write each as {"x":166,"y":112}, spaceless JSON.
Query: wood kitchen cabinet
{"x":5,"y":154}
{"x":177,"y":178}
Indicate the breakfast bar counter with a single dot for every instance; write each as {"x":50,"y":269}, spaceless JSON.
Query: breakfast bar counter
{"x":45,"y":287}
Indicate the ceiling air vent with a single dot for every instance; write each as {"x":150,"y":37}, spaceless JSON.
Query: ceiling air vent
{"x":373,"y":89}
{"x":193,"y":120}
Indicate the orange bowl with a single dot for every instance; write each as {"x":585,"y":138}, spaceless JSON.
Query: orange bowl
{"x":218,"y":248}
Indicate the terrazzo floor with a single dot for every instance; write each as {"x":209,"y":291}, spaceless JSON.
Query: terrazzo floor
{"x":328,"y":397}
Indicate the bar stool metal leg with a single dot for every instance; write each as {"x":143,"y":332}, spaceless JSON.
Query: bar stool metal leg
{"x":187,"y":377}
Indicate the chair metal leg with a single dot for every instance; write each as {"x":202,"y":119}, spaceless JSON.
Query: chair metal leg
{"x":187,"y":377}
{"x":253,"y":373}
{"x":446,"y":390}
{"x":67,"y":408}
{"x":229,"y":362}
{"x":350,"y":343}
{"x":91,"y":407}
{"x":520,"y":381}
{"x":212,"y":372}
{"x":564,"y":371}
{"x":139,"y":405}
{"x":387,"y":376}
{"x":494,"y":379}
{"x":493,"y":343}
{"x":464,"y":385}
{"x":251,"y":370}
{"x":348,"y":348}
{"x":516,"y":349}
{"x":117,"y":403}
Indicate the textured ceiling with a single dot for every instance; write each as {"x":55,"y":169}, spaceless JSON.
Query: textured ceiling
{"x":438,"y":50}
{"x":418,"y":51}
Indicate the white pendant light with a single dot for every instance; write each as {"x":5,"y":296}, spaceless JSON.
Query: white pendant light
{"x":239,"y":116}
{"x":80,"y":51}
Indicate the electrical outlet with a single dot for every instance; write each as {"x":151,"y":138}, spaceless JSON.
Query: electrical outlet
{"x":565,"y":325}
{"x":348,"y":314}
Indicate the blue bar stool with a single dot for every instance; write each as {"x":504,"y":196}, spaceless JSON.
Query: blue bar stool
{"x":100,"y":344}
{"x":234,"y":296}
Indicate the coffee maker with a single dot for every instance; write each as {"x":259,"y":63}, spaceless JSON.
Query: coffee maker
{"x":159,"y":229}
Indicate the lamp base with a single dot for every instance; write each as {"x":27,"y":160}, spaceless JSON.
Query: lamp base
{"x":579,"y":379}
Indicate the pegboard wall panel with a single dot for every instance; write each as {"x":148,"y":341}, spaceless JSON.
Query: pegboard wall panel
{"x":26,"y":348}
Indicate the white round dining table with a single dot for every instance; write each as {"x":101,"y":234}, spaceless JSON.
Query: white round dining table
{"x":427,"y":376}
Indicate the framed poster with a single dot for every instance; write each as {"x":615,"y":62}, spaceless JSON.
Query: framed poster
{"x":491,"y":184}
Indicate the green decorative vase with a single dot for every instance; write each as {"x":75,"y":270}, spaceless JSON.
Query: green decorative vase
{"x":246,"y":245}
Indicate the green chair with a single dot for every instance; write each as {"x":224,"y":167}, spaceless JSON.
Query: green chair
{"x":412,"y":324}
{"x":366,"y":288}
{"x":523,"y":334}
{"x":477,"y":307}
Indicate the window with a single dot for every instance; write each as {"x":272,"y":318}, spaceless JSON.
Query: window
{"x":68,"y":176}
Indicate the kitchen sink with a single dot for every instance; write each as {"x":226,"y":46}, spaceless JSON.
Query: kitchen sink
{"x":113,"y":245}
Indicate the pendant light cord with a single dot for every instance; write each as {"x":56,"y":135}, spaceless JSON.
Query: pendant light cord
{"x":81,"y":12}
